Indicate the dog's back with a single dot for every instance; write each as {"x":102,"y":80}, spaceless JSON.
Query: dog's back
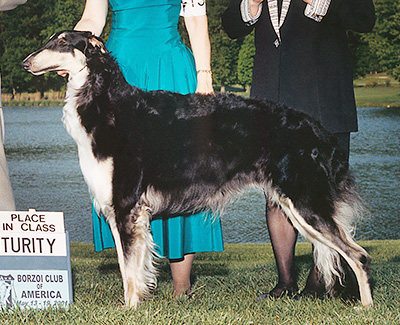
{"x":198,"y":139}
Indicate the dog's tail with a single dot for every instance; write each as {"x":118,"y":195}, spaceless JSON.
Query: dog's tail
{"x":333,"y":241}
{"x":348,"y":208}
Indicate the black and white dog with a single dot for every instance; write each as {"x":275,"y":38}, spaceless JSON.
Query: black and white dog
{"x":146,"y":154}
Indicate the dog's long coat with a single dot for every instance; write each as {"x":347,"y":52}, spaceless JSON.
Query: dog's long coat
{"x":146,"y":154}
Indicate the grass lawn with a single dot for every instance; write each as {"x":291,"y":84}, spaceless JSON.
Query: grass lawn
{"x":377,"y":96}
{"x":225,"y":285}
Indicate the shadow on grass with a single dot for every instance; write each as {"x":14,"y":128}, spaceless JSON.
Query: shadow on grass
{"x":304,"y":259}
{"x":203,"y":269}
{"x":395,"y":259}
{"x":108,"y":268}
{"x":164,"y":271}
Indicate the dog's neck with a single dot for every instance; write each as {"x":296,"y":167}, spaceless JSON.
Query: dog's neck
{"x":77,"y":80}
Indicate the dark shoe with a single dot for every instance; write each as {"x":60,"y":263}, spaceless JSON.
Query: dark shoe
{"x":280,"y":291}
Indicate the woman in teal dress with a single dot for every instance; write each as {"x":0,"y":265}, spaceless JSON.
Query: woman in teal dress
{"x":144,"y":40}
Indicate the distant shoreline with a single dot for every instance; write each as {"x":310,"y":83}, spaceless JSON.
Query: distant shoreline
{"x":366,"y":96}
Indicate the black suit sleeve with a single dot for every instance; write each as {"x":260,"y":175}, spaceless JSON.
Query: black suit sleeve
{"x":356,"y":15}
{"x":233,"y":23}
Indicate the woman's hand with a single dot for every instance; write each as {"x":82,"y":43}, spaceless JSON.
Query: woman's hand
{"x":204,"y":82}
{"x":94,"y":17}
{"x":254,"y":6}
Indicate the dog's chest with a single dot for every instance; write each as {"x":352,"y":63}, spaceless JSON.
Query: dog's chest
{"x":97,"y":173}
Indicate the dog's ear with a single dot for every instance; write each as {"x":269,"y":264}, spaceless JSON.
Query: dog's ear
{"x":81,"y":43}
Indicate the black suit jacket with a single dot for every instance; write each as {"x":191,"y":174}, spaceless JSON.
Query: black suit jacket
{"x":311,"y":70}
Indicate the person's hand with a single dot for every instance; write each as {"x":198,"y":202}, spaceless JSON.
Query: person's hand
{"x":308,"y":1}
{"x":254,"y":6}
{"x":204,"y":82}
{"x":255,"y":2}
{"x":10,"y":4}
{"x":62,"y":73}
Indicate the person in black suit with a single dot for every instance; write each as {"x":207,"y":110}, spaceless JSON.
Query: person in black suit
{"x":302,"y":60}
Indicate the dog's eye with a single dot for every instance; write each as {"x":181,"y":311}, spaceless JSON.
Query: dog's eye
{"x":61,"y":41}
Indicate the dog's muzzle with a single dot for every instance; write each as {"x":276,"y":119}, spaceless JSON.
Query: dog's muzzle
{"x":26,"y":64}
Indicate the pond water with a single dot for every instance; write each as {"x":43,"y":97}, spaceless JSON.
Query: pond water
{"x":45,"y":175}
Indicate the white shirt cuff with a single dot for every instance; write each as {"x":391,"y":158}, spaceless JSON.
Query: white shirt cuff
{"x":192,"y":8}
{"x":246,"y":15}
{"x":317,"y":10}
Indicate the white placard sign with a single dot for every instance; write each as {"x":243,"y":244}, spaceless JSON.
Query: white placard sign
{"x":35,"y":264}
{"x":35,"y":289}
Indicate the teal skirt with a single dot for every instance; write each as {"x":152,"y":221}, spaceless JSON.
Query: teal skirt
{"x":173,"y":237}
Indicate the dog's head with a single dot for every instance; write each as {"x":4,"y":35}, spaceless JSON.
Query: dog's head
{"x":66,"y":50}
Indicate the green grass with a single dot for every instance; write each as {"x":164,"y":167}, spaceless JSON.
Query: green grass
{"x":43,"y":102}
{"x":225,"y":285}
{"x":377,"y":96}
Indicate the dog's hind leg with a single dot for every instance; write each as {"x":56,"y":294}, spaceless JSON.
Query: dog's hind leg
{"x":330,"y":241}
{"x":138,"y":270}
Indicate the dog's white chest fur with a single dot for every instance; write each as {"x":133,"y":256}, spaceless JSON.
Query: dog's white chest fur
{"x":97,"y":173}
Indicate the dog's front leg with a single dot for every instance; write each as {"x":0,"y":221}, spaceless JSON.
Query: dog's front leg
{"x":138,"y":270}
{"x":118,"y":245}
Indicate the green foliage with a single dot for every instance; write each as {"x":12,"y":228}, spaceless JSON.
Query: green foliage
{"x":224,"y":51}
{"x":64,"y":15}
{"x":384,"y":40}
{"x":20,"y":32}
{"x":364,"y":58}
{"x":224,"y":59}
{"x":246,"y":60}
{"x":24,"y":30}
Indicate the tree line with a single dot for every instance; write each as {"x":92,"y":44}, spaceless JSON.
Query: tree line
{"x":24,"y":29}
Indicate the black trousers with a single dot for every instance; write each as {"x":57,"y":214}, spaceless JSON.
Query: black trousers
{"x":344,"y":143}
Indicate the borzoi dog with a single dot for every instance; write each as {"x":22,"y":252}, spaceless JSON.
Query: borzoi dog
{"x":146,"y":154}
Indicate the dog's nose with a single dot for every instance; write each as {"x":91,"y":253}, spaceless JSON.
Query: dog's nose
{"x":26,"y":64}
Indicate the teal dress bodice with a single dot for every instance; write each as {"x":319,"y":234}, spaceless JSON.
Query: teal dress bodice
{"x":145,"y":42}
